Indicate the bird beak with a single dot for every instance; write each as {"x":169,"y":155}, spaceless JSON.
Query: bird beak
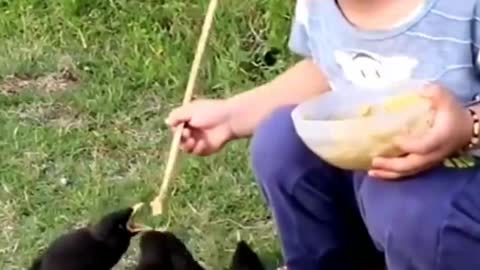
{"x":134,"y":227}
{"x":137,"y":228}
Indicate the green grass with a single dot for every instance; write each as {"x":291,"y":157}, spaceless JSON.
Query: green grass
{"x":69,"y":156}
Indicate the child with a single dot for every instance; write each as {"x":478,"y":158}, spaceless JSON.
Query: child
{"x":409,"y":213}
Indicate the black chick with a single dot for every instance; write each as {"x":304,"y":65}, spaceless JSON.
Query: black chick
{"x":96,"y":247}
{"x":245,"y":258}
{"x":164,"y":251}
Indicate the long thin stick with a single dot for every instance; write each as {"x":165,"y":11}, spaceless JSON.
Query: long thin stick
{"x":159,"y":203}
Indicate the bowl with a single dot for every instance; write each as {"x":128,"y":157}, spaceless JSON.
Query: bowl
{"x":348,"y":128}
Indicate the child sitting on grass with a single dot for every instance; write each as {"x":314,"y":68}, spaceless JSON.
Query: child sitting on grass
{"x":405,"y":213}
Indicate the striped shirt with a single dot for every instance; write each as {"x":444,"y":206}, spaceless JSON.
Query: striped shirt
{"x":438,"y":43}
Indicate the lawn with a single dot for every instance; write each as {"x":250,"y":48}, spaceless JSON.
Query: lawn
{"x":85,"y":86}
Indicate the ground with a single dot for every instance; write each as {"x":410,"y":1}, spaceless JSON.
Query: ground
{"x":85,"y":86}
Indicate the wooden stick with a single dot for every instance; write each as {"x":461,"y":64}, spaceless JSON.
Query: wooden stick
{"x":159,"y":203}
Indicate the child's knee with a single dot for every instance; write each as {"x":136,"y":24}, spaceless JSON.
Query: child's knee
{"x":407,"y":219}
{"x":276,"y":149}
{"x":437,"y":234}
{"x":271,"y":142}
{"x":407,"y":231}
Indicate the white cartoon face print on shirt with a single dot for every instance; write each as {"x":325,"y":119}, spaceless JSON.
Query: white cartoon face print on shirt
{"x":372,"y":71}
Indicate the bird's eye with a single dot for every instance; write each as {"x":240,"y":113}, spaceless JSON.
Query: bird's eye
{"x":121,"y":226}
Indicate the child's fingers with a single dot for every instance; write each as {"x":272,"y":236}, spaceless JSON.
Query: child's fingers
{"x":179,"y":115}
{"x":186,"y":133}
{"x":188,"y":145}
{"x":437,"y":95}
{"x":391,"y":175}
{"x":403,"y":165}
{"x":385,"y":175}
{"x":174,"y":122}
{"x":199,"y":148}
{"x":425,"y":144}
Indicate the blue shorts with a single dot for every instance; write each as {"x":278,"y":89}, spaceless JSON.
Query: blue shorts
{"x":329,"y":218}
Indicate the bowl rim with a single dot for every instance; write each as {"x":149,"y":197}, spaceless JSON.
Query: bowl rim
{"x":375,"y":100}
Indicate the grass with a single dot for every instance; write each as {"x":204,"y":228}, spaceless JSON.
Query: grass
{"x":74,"y":151}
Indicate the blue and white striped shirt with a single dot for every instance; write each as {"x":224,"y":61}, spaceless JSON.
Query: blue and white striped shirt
{"x":439,"y":43}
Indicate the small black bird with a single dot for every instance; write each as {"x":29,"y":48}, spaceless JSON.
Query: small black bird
{"x":164,"y":251}
{"x":245,"y":258}
{"x":96,"y":247}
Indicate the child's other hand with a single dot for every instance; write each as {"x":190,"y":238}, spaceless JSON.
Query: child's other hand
{"x":207,"y":126}
{"x":451,"y":130}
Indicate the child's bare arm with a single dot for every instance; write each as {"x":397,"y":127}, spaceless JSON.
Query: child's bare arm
{"x":299,"y":83}
{"x":212,"y":123}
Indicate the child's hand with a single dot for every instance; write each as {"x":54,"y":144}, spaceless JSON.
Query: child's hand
{"x":207,"y":126}
{"x":452,"y":130}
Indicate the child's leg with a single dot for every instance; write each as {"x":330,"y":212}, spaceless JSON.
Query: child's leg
{"x":313,"y":204}
{"x":431,"y":221}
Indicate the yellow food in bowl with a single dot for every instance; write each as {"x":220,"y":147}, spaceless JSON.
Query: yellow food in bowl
{"x":395,"y":104}
{"x":358,"y":139}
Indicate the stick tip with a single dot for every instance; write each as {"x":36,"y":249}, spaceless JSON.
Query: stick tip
{"x":157,"y":207}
